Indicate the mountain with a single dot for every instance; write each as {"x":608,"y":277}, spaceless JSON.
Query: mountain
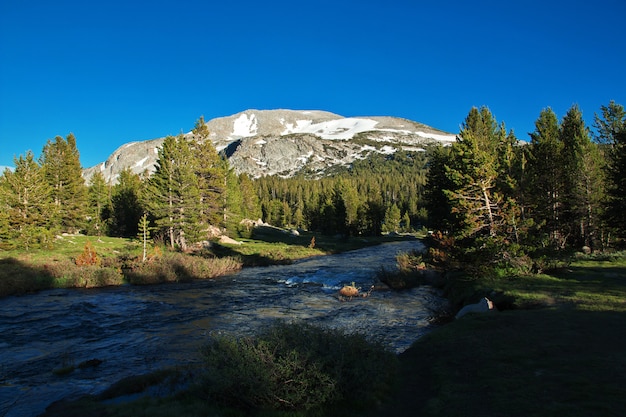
{"x":285,"y":142}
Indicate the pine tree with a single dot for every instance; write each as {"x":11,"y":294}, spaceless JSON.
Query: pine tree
{"x":611,"y":130}
{"x":211,"y":172}
{"x":473,"y":169}
{"x":611,"y":123}
{"x":545,"y":191}
{"x":437,"y":203}
{"x":127,"y":206}
{"x":616,"y":184}
{"x":393,"y":216}
{"x":144,"y":231}
{"x":251,"y":208}
{"x":582,"y":180}
{"x":60,"y":161}
{"x":99,"y":193}
{"x":233,"y":207}
{"x":26,"y":200}
{"x":173,"y":195}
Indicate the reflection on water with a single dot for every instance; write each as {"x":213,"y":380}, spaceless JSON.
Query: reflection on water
{"x":135,"y":330}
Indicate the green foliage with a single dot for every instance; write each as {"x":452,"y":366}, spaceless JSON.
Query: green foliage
{"x":173,"y":194}
{"x":99,"y":194}
{"x":178,"y":267}
{"x":296,"y":366}
{"x":353,"y":201}
{"x":60,"y":162}
{"x":127,"y":206}
{"x":612,"y":130}
{"x":26,"y":204}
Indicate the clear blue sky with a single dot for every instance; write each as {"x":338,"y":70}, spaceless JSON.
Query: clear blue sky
{"x":117,"y":71}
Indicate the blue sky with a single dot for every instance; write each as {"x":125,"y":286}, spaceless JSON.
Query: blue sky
{"x":118,"y":71}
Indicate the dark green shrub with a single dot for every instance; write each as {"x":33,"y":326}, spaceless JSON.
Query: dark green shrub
{"x":296,"y":366}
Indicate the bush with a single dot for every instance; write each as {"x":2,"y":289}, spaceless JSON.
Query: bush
{"x":178,"y":267}
{"x":297,"y":366}
{"x":67,"y":274}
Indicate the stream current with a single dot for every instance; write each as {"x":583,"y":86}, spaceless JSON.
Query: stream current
{"x":138,"y":329}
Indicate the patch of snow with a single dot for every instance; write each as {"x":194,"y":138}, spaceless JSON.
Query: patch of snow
{"x":413,"y":149}
{"x":260,"y":142}
{"x":305,"y":158}
{"x":346,"y":128}
{"x":367,"y":148}
{"x":155,"y":150}
{"x":244,"y":126}
{"x":442,"y":138}
{"x":335,"y":129}
{"x":387,"y":150}
{"x":140,"y":163}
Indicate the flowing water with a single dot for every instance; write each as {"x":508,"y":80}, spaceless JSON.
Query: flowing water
{"x":138,"y":329}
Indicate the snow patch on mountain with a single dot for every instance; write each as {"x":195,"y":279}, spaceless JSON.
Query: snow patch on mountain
{"x":245,"y":126}
{"x":332,"y":129}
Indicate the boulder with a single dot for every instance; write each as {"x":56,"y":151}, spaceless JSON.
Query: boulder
{"x":349,"y":291}
{"x":483,"y":306}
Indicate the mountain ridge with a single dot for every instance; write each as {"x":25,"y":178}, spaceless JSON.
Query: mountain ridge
{"x":284,"y":142}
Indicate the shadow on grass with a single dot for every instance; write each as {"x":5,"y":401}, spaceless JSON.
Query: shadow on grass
{"x":17,"y":277}
{"x":543,"y":362}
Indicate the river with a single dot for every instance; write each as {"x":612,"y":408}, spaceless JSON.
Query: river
{"x":138,"y":329}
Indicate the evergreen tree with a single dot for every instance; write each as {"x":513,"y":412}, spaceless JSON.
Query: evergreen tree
{"x":60,"y":161}
{"x":251,"y":208}
{"x":437,"y":203}
{"x":173,"y":195}
{"x":99,"y":194}
{"x":233,"y":207}
{"x":582,"y":180}
{"x":545,"y":191}
{"x":393,"y":216}
{"x":616,"y":184}
{"x":612,"y":122}
{"x":473,"y":169}
{"x":126,"y":204}
{"x":211,"y":172}
{"x":26,"y":201}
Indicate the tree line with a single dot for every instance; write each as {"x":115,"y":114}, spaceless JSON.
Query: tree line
{"x":495,"y":200}
{"x":487,"y":192}
{"x":191,"y":189}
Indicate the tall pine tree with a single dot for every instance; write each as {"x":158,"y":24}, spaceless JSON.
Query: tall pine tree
{"x":611,"y":129}
{"x":99,"y":193}
{"x":26,"y":201}
{"x":473,"y":170}
{"x":545,"y":191}
{"x":172,"y":194}
{"x":60,"y":161}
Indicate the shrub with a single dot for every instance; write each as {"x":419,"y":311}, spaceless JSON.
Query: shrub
{"x":179,"y":267}
{"x":296,"y":366}
{"x":88,"y":257}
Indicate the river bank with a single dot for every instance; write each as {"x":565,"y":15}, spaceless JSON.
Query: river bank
{"x":78,"y":261}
